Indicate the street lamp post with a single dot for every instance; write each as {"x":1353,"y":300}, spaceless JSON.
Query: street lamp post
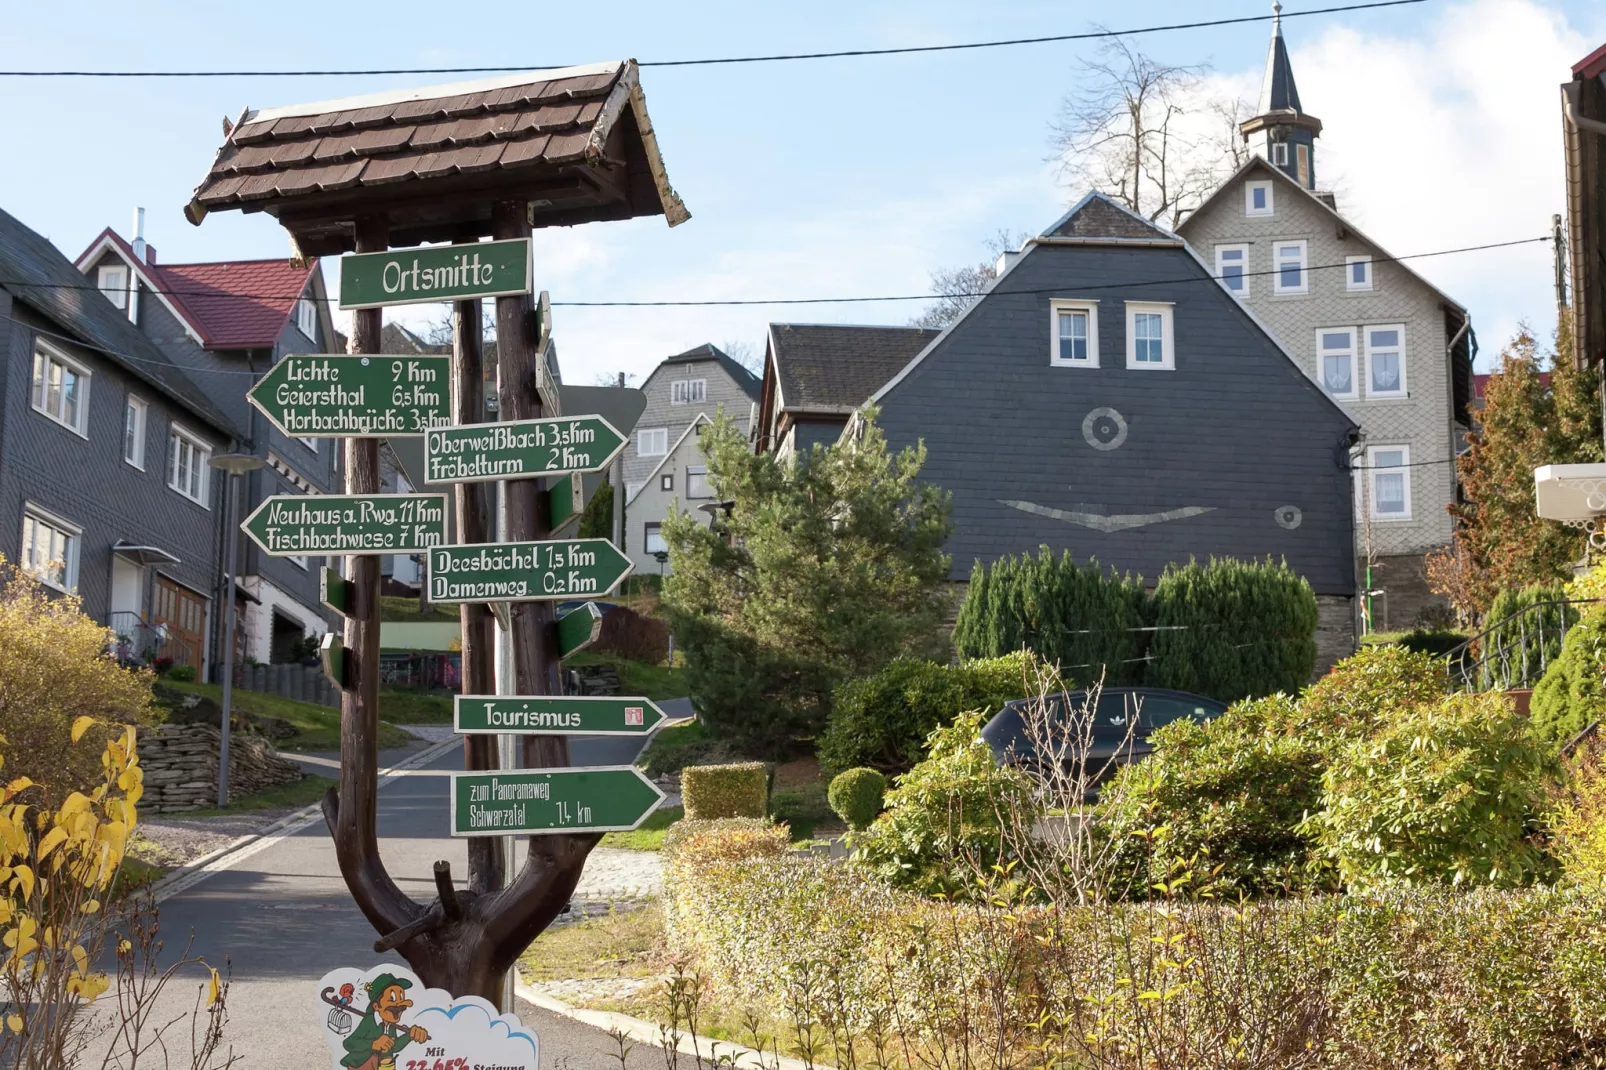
{"x":236,"y":465}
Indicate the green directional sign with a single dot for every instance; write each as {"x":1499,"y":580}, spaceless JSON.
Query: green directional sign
{"x":329,"y":396}
{"x":290,"y":525}
{"x":578,"y":629}
{"x":536,"y":801}
{"x":553,"y":715}
{"x":525,"y":571}
{"x":335,"y":592}
{"x":565,"y":502}
{"x":435,"y":273}
{"x":478,"y":453}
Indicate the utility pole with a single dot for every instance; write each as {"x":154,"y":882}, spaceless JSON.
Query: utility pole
{"x":617,"y":478}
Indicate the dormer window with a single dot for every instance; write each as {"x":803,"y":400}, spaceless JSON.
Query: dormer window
{"x":307,"y":318}
{"x":112,"y":280}
{"x":1257,"y":198}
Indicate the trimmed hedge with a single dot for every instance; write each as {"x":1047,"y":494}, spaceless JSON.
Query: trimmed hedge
{"x":740,"y":789}
{"x":1570,"y":697}
{"x":856,"y":796}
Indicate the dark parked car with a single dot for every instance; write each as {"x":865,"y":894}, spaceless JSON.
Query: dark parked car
{"x":1114,"y":733}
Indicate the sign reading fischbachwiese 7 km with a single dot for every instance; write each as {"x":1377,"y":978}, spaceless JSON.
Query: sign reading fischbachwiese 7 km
{"x":479,"y":453}
{"x":435,"y":273}
{"x":290,"y":525}
{"x":329,"y":396}
{"x":525,"y":571}
{"x":542,"y":715}
{"x":533,"y":801}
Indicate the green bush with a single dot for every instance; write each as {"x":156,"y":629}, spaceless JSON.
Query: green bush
{"x":1577,"y":821}
{"x":1364,"y":691}
{"x":1444,"y":792}
{"x":183,"y":674}
{"x":740,"y":789}
{"x":701,"y":840}
{"x":856,"y":796}
{"x":1569,"y":697}
{"x":1521,"y":636}
{"x":883,"y":720}
{"x":944,"y":819}
{"x":1232,"y":629}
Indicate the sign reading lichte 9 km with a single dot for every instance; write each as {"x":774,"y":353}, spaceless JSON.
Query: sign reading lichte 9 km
{"x":328,"y":396}
{"x":525,"y":571}
{"x":435,"y":273}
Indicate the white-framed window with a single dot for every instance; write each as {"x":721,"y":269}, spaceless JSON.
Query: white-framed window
{"x":652,"y":539}
{"x":1149,"y":341}
{"x":1279,"y":153}
{"x":60,"y":387}
{"x":631,"y":489}
{"x":298,"y":560}
{"x":1257,"y":198}
{"x":688,"y":391}
{"x":697,"y":483}
{"x":112,"y":280}
{"x":187,"y":471}
{"x":1385,"y":361}
{"x":1357,"y":273}
{"x":666,"y":481}
{"x":652,"y":441}
{"x":1389,"y":472}
{"x":1074,"y":328}
{"x":1288,"y":267}
{"x":307,"y":318}
{"x":134,"y":413}
{"x":50,"y":548}
{"x":1232,"y":268}
{"x":1335,"y":356}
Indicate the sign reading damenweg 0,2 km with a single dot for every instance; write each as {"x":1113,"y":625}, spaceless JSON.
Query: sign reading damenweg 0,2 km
{"x":599,"y":799}
{"x":323,"y":396}
{"x":525,"y":571}
{"x":290,"y":525}
{"x":481,"y":452}
{"x":435,"y":273}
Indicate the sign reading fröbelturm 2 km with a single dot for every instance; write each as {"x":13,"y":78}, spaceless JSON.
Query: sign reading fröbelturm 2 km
{"x":435,"y":273}
{"x":290,"y":525}
{"x":479,"y":453}
{"x":327,"y":396}
{"x":525,"y":571}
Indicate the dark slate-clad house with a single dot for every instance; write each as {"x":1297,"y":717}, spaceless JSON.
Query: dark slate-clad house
{"x":104,"y":485}
{"x":225,"y":324}
{"x":1108,"y":396}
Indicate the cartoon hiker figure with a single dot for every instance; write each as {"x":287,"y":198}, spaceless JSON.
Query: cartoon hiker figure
{"x":380,"y":1035}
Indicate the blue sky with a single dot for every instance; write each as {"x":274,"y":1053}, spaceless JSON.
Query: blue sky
{"x":817,"y":178}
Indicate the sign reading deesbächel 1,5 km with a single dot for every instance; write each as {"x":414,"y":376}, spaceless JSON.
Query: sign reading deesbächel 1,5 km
{"x":327,"y":396}
{"x":525,"y":571}
{"x":481,"y":452}
{"x":435,"y":273}
{"x":290,"y":525}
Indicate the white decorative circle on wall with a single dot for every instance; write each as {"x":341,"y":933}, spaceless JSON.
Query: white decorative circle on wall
{"x":1104,"y":429}
{"x":1288,"y":516}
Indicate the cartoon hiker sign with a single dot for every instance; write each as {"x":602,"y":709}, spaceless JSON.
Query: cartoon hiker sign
{"x":385,"y":1019}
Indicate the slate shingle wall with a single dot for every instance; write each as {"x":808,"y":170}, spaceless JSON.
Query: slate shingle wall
{"x":722,"y":390}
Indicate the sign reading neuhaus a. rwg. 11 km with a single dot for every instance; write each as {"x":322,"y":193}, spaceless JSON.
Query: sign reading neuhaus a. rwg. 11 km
{"x":323,"y":396}
{"x":525,"y":571}
{"x":435,"y":273}
{"x":289,"y":525}
{"x":483,"y":452}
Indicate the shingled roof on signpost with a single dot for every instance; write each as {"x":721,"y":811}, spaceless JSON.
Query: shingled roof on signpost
{"x":576,"y":143}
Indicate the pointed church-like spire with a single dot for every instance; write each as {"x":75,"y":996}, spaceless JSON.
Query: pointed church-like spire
{"x":1278,"y":92}
{"x":1282,"y":132}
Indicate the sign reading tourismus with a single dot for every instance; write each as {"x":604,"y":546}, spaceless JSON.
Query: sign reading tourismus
{"x":479,"y":453}
{"x":542,"y":715}
{"x":435,"y":273}
{"x":290,"y":525}
{"x":533,"y":801}
{"x":323,"y":396}
{"x":525,"y":571}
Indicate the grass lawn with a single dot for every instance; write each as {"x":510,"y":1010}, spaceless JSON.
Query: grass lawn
{"x":637,"y":677}
{"x":304,"y":792}
{"x":317,"y":727}
{"x":402,"y":706}
{"x":620,"y":944}
{"x":650,"y":836}
{"x":399,"y":609}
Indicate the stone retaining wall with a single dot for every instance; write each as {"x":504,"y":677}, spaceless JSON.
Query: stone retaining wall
{"x":180,"y":764}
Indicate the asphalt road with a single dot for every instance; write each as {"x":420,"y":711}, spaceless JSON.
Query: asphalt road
{"x":282,"y":918}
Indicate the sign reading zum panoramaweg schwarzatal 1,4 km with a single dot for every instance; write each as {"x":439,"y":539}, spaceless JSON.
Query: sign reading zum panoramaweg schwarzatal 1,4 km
{"x":336,"y":396}
{"x":521,"y":448}
{"x":525,"y":571}
{"x":290,"y":525}
{"x":604,"y":798}
{"x":435,"y":273}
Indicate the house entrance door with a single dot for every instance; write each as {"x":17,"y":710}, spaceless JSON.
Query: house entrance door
{"x":184,"y":613}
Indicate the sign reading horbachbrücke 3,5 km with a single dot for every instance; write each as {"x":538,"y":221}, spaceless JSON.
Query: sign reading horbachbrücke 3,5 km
{"x":525,"y":571}
{"x":482,"y":452}
{"x":327,"y":396}
{"x":435,"y":273}
{"x":289,"y":525}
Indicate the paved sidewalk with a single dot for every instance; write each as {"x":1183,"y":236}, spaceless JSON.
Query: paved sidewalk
{"x":616,"y":875}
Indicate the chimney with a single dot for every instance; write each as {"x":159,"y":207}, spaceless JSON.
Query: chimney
{"x":139,"y":234}
{"x":1006,"y":260}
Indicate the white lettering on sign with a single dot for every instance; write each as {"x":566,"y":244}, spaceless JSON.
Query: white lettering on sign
{"x":463,"y":271}
{"x":524,"y":717}
{"x":560,"y":442}
{"x":290,"y":525}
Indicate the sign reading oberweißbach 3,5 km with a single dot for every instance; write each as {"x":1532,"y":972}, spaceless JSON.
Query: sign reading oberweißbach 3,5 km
{"x":290,"y":525}
{"x":609,"y":798}
{"x":435,"y":273}
{"x":482,"y":452}
{"x":525,"y":571}
{"x":327,"y":396}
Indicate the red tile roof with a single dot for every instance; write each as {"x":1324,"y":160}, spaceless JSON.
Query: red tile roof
{"x":231,"y":304}
{"x":1481,"y":382}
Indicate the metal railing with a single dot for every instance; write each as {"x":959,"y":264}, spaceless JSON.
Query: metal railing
{"x":1515,"y":651}
{"x":143,"y":642}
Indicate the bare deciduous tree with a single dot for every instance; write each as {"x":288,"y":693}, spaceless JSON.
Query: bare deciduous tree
{"x":744,"y":353}
{"x":957,"y":288}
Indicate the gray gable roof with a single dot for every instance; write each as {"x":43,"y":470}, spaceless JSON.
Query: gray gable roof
{"x":749,"y":383}
{"x":830,"y":368}
{"x":40,"y":276}
{"x":1100,"y":217}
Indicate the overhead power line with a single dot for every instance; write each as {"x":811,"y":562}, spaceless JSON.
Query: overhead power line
{"x":783,"y":57}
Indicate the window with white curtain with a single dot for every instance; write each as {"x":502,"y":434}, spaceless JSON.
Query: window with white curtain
{"x":1075,"y":326}
{"x":134,"y":432}
{"x":652,"y":441}
{"x":1148,"y":336}
{"x":187,"y":470}
{"x":1390,"y":472}
{"x":112,"y":280}
{"x":50,"y":549}
{"x":60,"y":388}
{"x":1385,"y":361}
{"x":1335,"y":347}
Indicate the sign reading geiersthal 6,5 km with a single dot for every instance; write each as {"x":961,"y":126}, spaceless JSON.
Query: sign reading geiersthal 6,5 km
{"x":335,"y":396}
{"x":525,"y":571}
{"x":290,"y":525}
{"x":435,"y":273}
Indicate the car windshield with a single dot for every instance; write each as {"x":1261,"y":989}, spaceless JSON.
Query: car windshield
{"x":1161,"y":710}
